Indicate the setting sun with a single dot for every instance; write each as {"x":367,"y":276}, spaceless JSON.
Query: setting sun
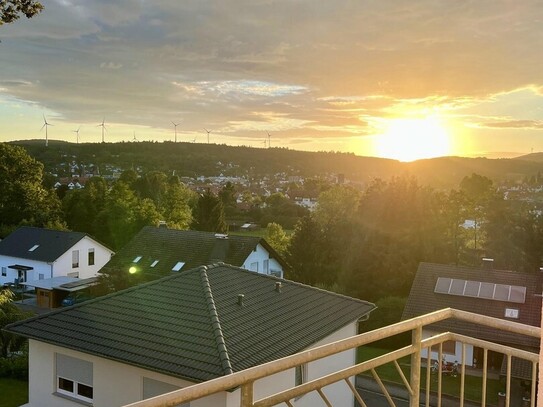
{"x":413,"y":139}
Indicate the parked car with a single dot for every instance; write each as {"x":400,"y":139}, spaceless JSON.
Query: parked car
{"x":75,"y":298}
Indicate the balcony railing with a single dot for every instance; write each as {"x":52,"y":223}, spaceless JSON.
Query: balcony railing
{"x":245,"y":379}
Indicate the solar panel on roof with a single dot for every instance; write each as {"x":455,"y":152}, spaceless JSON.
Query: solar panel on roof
{"x":457,"y":287}
{"x":501,"y":293}
{"x":517,"y":294}
{"x":443,"y":284}
{"x":487,"y":290}
{"x":472,"y":288}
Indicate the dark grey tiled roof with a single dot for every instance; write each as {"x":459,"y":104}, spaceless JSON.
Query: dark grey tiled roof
{"x":190,"y":325}
{"x":193,"y":248}
{"x":52,"y":243}
{"x":422,"y":300}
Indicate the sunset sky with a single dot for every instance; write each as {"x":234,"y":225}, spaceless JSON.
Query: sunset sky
{"x":402,"y":79}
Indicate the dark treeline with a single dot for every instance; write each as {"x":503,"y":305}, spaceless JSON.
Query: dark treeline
{"x":194,"y":159}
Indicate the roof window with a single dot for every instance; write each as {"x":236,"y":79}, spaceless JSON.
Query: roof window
{"x":33,"y":247}
{"x":153,"y":264}
{"x":178,"y":266}
{"x":136,"y":259}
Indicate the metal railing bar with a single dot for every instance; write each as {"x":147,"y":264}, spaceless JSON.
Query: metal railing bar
{"x":332,"y":378}
{"x":462,"y":374}
{"x":428,"y":375}
{"x":237,"y":379}
{"x":506,"y":350}
{"x":324,"y":398}
{"x":534,"y":385}
{"x":383,"y":388}
{"x":402,"y":375}
{"x":416,"y":341}
{"x":508,"y":382}
{"x":485,"y":373}
{"x":357,"y":395}
{"x":288,"y":403}
{"x":439,"y":375}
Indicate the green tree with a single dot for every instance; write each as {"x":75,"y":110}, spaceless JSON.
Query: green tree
{"x":9,"y":313}
{"x":11,"y":10}
{"x":177,"y":203}
{"x":209,"y":215}
{"x":337,"y":204}
{"x":22,"y":196}
{"x":277,"y":238}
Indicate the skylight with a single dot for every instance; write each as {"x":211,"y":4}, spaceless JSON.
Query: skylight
{"x":153,"y":264}
{"x":136,"y":259}
{"x":178,"y":266}
{"x":33,"y":247}
{"x":490,"y":291}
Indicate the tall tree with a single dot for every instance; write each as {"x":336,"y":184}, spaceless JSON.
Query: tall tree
{"x":9,"y":313}
{"x":11,"y":10}
{"x":209,"y":215}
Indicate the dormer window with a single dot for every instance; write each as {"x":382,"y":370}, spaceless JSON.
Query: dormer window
{"x":178,"y":266}
{"x":33,"y":247}
{"x":136,"y":259}
{"x":153,"y":264}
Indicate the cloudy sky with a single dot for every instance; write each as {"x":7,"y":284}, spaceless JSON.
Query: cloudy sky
{"x":375,"y":77}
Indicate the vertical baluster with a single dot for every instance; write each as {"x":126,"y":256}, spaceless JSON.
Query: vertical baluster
{"x":485,"y":373}
{"x":428,"y":374}
{"x":416,"y":338}
{"x":247,"y":395}
{"x":439,"y":374}
{"x":462,"y":374}
{"x":508,"y":382}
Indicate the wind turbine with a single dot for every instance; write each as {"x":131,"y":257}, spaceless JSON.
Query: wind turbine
{"x":134,"y":139}
{"x":175,"y":128}
{"x":208,"y":131}
{"x":45,"y":124}
{"x":269,"y":141}
{"x":103,"y":126}
{"x":77,"y":133}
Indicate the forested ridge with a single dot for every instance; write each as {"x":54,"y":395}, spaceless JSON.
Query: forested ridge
{"x":194,"y":159}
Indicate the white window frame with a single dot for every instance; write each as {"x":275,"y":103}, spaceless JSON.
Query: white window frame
{"x":75,"y":259}
{"x":266,"y":266}
{"x":4,"y":271}
{"x":75,"y":389}
{"x":72,"y":376}
{"x":91,"y":254}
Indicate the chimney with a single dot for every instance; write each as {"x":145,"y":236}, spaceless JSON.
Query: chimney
{"x":278,"y":286}
{"x":162,"y":224}
{"x":240,"y":299}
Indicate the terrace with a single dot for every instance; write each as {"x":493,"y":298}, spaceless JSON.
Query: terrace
{"x":417,"y":385}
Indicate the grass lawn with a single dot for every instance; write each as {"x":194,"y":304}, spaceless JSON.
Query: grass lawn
{"x":14,"y":392}
{"x":450,"y":385}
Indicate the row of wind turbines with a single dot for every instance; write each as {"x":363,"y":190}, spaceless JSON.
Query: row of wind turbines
{"x":46,"y":124}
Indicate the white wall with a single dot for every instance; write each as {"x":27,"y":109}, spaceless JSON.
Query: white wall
{"x":102,"y":255}
{"x":456,"y":357}
{"x":258,"y":256}
{"x":63,"y":265}
{"x":116,"y":384}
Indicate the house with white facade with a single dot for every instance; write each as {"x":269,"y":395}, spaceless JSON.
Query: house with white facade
{"x":508,"y":295}
{"x":30,"y":254}
{"x":159,"y":251}
{"x":187,"y":328}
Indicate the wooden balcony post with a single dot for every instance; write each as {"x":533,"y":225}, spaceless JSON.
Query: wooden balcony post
{"x":247,"y":395}
{"x":416,"y":338}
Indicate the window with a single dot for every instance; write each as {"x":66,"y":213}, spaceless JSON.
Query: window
{"x":91,"y":257}
{"x":138,"y":258}
{"x":75,"y":259}
{"x":266,"y":266}
{"x":74,"y":377}
{"x":179,"y":265}
{"x":41,"y":276}
{"x":4,"y":271}
{"x":300,"y":375}
{"x":33,"y":247}
{"x":153,"y":264}
{"x":254,"y":266}
{"x":449,"y":347}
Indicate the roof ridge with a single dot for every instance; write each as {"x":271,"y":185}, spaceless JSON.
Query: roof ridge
{"x":215,"y":322}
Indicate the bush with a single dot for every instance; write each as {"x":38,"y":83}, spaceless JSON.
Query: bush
{"x":15,"y":367}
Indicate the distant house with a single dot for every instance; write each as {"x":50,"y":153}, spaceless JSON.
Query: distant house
{"x":183,"y":329}
{"x":30,"y":254}
{"x":160,"y":251}
{"x":508,"y":295}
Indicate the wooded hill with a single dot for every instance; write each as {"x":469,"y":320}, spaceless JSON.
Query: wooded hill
{"x":193,"y":159}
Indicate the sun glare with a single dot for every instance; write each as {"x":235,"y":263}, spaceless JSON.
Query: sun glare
{"x":413,"y":139}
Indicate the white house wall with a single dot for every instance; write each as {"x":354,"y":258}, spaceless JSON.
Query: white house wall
{"x":257,"y":257}
{"x":63,"y":265}
{"x":451,"y":358}
{"x":117,"y":384}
